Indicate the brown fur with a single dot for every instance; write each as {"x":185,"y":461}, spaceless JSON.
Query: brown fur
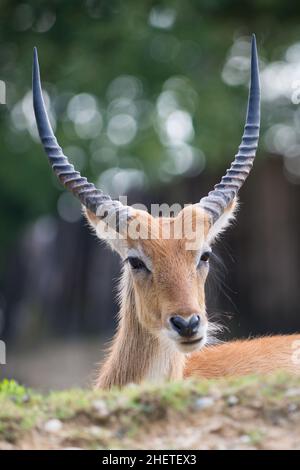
{"x":255,"y":356}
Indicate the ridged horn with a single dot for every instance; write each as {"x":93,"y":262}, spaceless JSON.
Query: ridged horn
{"x":91,"y":197}
{"x":224,"y":193}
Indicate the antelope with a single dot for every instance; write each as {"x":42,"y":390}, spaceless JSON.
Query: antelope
{"x":163,"y":331}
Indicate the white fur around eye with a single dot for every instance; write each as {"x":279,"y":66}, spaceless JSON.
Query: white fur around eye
{"x":138,"y":253}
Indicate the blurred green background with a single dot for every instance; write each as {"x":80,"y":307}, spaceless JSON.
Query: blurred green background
{"x":148,"y":99}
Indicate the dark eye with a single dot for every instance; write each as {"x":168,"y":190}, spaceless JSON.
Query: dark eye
{"x":205,"y":256}
{"x":137,"y":263}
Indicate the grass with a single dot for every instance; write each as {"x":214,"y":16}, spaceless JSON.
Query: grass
{"x":126,"y":418}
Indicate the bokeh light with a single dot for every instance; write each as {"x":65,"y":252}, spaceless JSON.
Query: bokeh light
{"x":84,"y":113}
{"x":162,"y":18}
{"x":119,"y":181}
{"x":121,"y":129}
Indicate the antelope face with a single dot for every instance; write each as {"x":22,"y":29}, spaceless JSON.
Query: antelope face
{"x":168,"y":271}
{"x":166,"y":263}
{"x":168,"y":267}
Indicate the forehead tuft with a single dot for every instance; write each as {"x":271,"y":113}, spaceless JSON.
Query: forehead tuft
{"x":190,"y":225}
{"x":170,"y":237}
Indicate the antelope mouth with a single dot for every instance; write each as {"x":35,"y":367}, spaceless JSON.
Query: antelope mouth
{"x":191,"y":345}
{"x":187,"y":345}
{"x":193,"y":341}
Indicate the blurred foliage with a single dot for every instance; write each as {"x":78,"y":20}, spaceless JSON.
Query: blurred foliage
{"x":176,"y":47}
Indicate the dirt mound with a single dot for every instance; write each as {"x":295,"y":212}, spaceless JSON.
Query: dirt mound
{"x":248,"y":413}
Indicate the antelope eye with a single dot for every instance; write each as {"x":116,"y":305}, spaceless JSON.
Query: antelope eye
{"x":137,"y":263}
{"x":205,"y":256}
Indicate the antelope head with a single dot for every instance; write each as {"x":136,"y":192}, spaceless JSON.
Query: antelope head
{"x":166,"y":259}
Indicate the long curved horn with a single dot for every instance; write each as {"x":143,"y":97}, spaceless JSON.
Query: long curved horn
{"x":91,"y":197}
{"x":224,"y":193}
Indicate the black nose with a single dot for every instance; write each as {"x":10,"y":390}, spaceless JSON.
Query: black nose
{"x":186,"y":328}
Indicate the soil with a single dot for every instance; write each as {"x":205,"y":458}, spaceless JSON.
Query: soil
{"x":248,"y":413}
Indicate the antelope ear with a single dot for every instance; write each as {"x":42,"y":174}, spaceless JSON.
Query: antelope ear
{"x":114,"y":239}
{"x":223,"y":221}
